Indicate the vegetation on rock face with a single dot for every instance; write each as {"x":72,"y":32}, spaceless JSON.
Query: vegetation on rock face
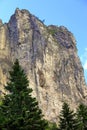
{"x":52,"y":31}
{"x":19,"y":111}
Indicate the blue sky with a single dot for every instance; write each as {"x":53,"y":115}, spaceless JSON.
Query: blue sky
{"x":69,"y":13}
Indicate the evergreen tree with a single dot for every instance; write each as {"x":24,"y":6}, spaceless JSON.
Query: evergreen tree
{"x":20,"y":109}
{"x":67,"y":119}
{"x":82,"y":116}
{"x":52,"y":126}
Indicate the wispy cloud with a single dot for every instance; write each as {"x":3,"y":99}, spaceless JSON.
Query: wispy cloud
{"x":85,"y":65}
{"x":85,"y":49}
{"x":84,"y":59}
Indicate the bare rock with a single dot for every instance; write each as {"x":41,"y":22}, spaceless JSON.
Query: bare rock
{"x":48,"y":56}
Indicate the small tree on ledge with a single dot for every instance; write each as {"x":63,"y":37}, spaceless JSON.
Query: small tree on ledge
{"x":19,"y":108}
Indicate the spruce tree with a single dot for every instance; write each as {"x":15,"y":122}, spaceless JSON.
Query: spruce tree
{"x":52,"y":126}
{"x":67,"y":119}
{"x":82,"y":116}
{"x":20,"y":109}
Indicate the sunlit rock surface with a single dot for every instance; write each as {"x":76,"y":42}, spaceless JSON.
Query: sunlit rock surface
{"x":48,"y":54}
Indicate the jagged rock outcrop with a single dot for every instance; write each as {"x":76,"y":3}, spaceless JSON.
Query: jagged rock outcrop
{"x":48,"y":55}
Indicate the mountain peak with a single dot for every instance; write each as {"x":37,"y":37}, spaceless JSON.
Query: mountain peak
{"x":49,"y":56}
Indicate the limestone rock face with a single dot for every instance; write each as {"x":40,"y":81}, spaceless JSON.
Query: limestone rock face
{"x":48,"y":55}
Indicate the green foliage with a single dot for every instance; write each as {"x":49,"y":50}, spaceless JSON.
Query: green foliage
{"x":19,"y":110}
{"x":82,"y":116}
{"x":67,"y":119}
{"x":0,"y":100}
{"x":52,"y":31}
{"x":51,"y":126}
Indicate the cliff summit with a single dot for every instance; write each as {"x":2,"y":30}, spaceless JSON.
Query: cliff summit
{"x":48,"y":55}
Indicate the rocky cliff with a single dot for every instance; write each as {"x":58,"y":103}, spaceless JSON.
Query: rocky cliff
{"x":48,"y":55}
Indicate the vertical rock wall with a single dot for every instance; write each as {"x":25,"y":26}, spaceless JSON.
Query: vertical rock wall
{"x":48,"y":56}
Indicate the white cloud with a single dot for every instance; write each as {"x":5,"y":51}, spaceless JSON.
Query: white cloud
{"x":85,"y":65}
{"x":84,"y":59}
{"x":85,"y":49}
{"x":84,"y":62}
{"x":84,"y":55}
